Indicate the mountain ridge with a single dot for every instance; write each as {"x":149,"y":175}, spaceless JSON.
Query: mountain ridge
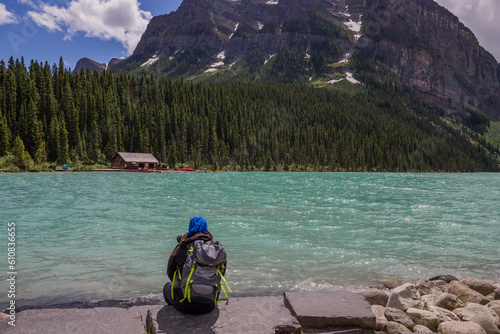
{"x":420,"y":42}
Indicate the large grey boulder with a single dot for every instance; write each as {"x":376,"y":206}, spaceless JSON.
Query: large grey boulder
{"x":375,"y":297}
{"x":481,"y":315}
{"x":379,"y":312}
{"x":322,"y":309}
{"x":473,"y":308}
{"x":444,"y":314}
{"x":426,"y":287}
{"x":396,"y":328}
{"x":448,"y":301}
{"x":486,"y":322}
{"x":396,"y":315}
{"x":425,"y":318}
{"x":453,"y":327}
{"x":483,"y":286}
{"x":494,"y":306}
{"x":466,"y":294}
{"x":405,"y":296}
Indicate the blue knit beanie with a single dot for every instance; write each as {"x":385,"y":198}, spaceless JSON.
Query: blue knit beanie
{"x":197,"y":224}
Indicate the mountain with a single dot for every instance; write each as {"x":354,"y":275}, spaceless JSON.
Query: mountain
{"x":428,"y":48}
{"x":418,"y":43}
{"x":92,"y":65}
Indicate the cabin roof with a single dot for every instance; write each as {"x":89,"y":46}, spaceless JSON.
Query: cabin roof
{"x":137,"y":157}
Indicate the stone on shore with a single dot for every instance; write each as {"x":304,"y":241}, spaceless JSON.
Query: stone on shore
{"x":444,"y":314}
{"x":422,"y":329}
{"x":429,"y":300}
{"x":379,"y":312}
{"x":396,"y":315}
{"x":405,"y":296}
{"x":496,"y":287}
{"x":484,"y":287}
{"x":494,"y":306}
{"x":446,"y":278}
{"x":472,"y":309}
{"x":396,"y":328}
{"x":375,"y":297}
{"x":466,"y":294}
{"x":453,"y":327}
{"x":481,"y":315}
{"x":441,"y":285}
{"x":449,"y":301}
{"x":324,"y":309}
{"x":426,"y":287}
{"x":424,"y":318}
{"x":486,"y":322}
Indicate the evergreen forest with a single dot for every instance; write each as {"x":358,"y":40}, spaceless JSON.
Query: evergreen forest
{"x":49,"y":115}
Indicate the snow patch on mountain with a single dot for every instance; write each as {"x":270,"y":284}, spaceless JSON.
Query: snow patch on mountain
{"x":215,"y":66}
{"x":269,"y":58}
{"x":150,"y":61}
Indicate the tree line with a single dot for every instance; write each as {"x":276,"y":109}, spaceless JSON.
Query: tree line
{"x":50,"y":115}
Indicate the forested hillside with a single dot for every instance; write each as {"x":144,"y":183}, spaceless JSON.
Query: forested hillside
{"x":49,"y":115}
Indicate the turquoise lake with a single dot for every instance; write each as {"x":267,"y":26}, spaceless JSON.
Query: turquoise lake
{"x":95,"y":236}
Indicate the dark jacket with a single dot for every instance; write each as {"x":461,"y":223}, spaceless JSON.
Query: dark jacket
{"x":177,"y":261}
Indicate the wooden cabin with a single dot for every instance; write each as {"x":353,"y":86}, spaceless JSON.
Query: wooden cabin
{"x":124,"y":160}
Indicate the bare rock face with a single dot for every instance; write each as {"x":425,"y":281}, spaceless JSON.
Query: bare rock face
{"x":430,"y":49}
{"x":236,"y":26}
{"x":87,"y":63}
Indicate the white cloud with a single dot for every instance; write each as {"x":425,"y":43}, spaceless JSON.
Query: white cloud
{"x":121,"y":20}
{"x":480,"y":16}
{"x":6,"y":17}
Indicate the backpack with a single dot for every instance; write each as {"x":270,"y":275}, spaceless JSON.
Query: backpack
{"x":202,"y":273}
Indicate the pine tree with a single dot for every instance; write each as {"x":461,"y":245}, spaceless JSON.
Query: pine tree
{"x":4,"y":135}
{"x":22,"y":158}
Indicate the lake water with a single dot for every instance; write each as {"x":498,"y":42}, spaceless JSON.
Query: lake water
{"x":94,"y":236}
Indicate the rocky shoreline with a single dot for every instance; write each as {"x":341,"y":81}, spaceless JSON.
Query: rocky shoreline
{"x":441,"y":304}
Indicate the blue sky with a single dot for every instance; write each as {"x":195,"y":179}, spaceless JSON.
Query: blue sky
{"x":102,"y":29}
{"x":98,"y":29}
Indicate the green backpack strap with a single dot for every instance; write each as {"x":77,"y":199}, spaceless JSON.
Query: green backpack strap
{"x":219,"y":273}
{"x":187,"y":290}
{"x":177,"y":273}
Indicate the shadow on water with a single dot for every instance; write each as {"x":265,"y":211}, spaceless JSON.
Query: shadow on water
{"x":171,"y":321}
